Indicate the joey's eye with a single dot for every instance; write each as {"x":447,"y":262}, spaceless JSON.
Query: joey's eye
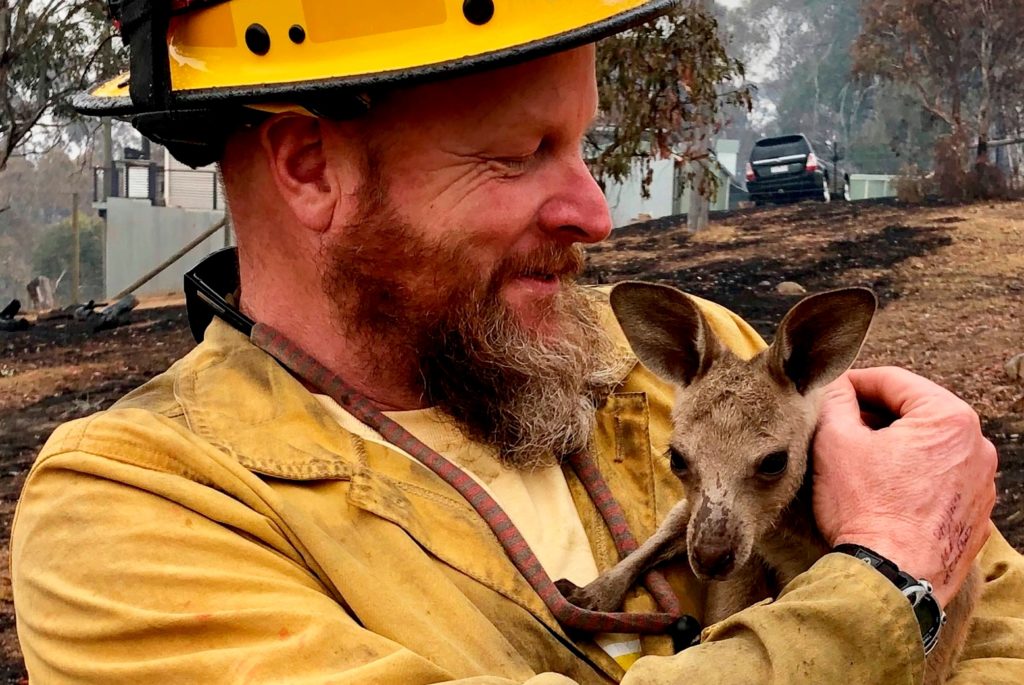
{"x":678,"y":462}
{"x":773,"y":465}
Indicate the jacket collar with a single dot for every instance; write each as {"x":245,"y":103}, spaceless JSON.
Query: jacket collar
{"x":241,"y":400}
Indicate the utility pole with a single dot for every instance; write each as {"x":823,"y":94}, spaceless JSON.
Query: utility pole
{"x":109,"y":69}
{"x":108,"y":159}
{"x":75,"y":251}
{"x":107,"y":56}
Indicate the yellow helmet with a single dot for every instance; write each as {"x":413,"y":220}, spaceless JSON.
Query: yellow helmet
{"x":196,"y":65}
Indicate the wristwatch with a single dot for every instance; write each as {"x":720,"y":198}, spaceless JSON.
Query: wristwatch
{"x":929,"y":614}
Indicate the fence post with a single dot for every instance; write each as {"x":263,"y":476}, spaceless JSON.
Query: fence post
{"x":835,"y":168}
{"x":151,"y":181}
{"x":75,"y":251}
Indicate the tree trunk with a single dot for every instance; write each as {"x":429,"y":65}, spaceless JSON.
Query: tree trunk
{"x":985,"y":99}
{"x":697,"y":213}
{"x":5,"y":96}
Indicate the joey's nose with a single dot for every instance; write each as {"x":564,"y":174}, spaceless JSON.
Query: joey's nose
{"x":715,"y":561}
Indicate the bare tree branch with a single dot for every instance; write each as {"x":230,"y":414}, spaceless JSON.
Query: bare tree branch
{"x":48,"y":51}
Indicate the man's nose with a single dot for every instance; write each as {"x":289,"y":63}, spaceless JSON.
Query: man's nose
{"x":576,"y":211}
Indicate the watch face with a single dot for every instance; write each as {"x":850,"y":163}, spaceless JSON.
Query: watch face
{"x":930,"y":617}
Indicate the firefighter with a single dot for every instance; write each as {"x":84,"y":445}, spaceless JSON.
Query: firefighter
{"x":405,"y":420}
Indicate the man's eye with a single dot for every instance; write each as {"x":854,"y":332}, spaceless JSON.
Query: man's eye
{"x":521,"y":162}
{"x":678,"y":462}
{"x":515,"y":163}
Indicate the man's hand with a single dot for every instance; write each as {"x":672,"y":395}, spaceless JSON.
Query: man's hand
{"x":918,"y":491}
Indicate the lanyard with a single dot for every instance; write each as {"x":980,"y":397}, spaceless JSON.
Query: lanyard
{"x":518,"y":551}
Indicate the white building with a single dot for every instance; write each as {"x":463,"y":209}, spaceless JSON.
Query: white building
{"x":669,"y":192}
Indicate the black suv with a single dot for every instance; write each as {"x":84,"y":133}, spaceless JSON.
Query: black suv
{"x":786,"y":168}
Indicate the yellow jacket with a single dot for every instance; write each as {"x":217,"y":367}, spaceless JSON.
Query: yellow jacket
{"x":217,"y":525}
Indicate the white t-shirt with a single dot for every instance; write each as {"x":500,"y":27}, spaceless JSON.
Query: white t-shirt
{"x":531,"y":499}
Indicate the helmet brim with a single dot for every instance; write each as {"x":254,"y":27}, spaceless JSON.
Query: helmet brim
{"x":112,"y":98}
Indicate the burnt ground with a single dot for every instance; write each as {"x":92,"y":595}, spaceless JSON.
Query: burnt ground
{"x":55,"y":372}
{"x":950,"y":278}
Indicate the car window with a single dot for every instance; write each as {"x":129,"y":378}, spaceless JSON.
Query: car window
{"x":773,"y":148}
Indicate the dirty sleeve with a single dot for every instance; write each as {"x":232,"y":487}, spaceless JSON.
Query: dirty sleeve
{"x":842,"y":622}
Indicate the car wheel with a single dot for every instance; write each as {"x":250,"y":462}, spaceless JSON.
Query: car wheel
{"x":826,"y":194}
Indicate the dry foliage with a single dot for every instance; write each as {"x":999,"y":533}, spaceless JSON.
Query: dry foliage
{"x":663,"y":90}
{"x":962,"y":60}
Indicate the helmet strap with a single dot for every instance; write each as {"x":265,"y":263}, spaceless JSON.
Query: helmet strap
{"x":144,"y":26}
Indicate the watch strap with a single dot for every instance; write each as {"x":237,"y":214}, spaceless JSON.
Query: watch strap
{"x":876,"y":561}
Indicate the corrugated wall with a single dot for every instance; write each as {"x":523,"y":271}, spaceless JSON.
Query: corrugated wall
{"x":627,"y":203}
{"x":140,"y":237}
{"x":191,"y":188}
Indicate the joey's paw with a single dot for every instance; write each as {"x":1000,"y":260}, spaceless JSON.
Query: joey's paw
{"x":566,"y":587}
{"x":596,"y":597}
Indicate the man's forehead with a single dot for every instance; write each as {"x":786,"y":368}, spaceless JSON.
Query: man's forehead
{"x":542,"y":90}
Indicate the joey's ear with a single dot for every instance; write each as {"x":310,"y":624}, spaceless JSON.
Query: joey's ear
{"x":821,"y":337}
{"x":666,"y":330}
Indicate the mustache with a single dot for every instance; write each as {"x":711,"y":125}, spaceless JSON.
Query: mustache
{"x":566,"y":263}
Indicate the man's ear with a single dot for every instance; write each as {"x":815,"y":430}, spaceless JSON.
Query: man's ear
{"x":821,"y":337}
{"x":666,"y":330}
{"x":297,"y":156}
